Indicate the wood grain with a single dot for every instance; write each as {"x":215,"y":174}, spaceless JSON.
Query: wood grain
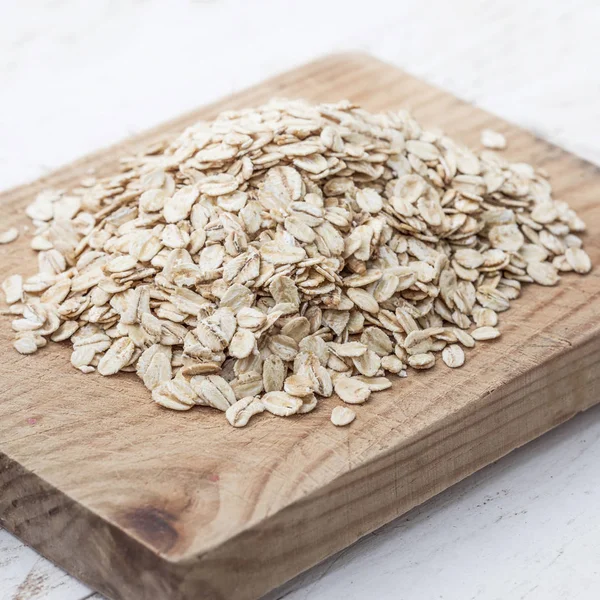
{"x":139,"y":502}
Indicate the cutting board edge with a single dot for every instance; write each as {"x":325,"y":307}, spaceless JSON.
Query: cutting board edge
{"x":99,"y":539}
{"x":87,"y":532}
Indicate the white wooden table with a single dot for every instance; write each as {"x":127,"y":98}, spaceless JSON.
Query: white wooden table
{"x":91,"y":73}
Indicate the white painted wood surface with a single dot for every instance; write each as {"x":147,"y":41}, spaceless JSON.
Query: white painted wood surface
{"x":91,"y":73}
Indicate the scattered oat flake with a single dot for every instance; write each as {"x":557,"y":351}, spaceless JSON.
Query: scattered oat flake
{"x":543,"y":273}
{"x":485,"y":333}
{"x":424,"y":360}
{"x":12,"y":287}
{"x":352,"y":390}
{"x":281,"y":404}
{"x":578,"y":259}
{"x":454,"y":356}
{"x":342,"y":416}
{"x":240,"y":413}
{"x":493,"y":140}
{"x":25,"y":344}
{"x":9,"y":235}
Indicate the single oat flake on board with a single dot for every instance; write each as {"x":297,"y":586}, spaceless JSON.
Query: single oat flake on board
{"x":262,"y":262}
{"x":9,"y":235}
{"x":493,"y":140}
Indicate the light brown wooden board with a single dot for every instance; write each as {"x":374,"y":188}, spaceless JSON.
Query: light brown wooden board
{"x":140,"y":502}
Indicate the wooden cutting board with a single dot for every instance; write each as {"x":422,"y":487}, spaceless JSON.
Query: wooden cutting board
{"x":140,"y":502}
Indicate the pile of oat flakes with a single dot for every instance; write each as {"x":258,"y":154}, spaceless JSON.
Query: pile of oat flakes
{"x":279,"y":255}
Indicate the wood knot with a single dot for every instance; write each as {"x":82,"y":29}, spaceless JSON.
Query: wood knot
{"x":153,"y":525}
